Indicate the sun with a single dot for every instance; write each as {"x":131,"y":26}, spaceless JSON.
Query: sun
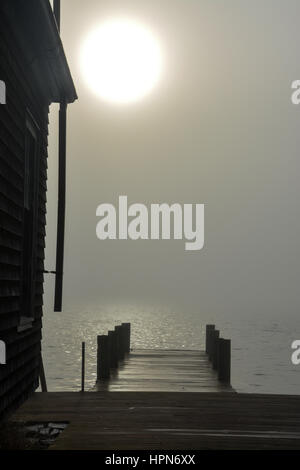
{"x":121,"y":61}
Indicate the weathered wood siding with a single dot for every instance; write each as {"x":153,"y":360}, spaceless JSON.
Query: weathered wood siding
{"x":19,"y":377}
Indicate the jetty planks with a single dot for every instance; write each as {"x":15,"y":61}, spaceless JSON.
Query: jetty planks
{"x":164,"y":371}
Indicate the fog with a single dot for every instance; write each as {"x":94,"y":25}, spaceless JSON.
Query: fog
{"x":219,"y":129}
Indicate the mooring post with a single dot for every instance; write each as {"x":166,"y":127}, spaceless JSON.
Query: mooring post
{"x":117,"y":341}
{"x":208,"y":339}
{"x":224,"y":360}
{"x":215,"y":349}
{"x":122,"y":340}
{"x":114,"y":348}
{"x":110,"y":335}
{"x":126,"y":333}
{"x":102,"y":357}
{"x":82,"y":365}
{"x":120,"y":351}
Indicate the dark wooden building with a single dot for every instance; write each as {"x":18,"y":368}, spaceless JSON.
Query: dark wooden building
{"x":35,"y":73}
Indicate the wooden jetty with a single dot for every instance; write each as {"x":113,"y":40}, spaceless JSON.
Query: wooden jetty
{"x":122,"y":369}
{"x":164,"y":371}
{"x":164,"y":399}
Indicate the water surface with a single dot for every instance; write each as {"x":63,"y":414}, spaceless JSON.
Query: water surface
{"x":261,"y":351}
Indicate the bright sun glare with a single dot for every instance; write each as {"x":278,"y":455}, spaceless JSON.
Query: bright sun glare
{"x":121,"y":61}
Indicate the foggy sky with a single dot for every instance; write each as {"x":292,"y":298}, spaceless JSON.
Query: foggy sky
{"x":219,"y":129}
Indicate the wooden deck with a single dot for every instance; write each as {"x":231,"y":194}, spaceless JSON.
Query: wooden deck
{"x":168,"y":420}
{"x":164,"y":371}
{"x":170,"y":400}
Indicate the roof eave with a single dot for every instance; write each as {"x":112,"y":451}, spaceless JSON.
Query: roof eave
{"x":35,"y":29}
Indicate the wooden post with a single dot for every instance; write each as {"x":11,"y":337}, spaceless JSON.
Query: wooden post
{"x":103,"y":361}
{"x":215,"y":349}
{"x":82,"y":365}
{"x":121,"y":341}
{"x":224,"y":360}
{"x":126,"y":332}
{"x":61,"y":208}
{"x":114,"y":350}
{"x":111,"y":349}
{"x":208,"y":342}
{"x":120,"y":351}
{"x":117,"y":343}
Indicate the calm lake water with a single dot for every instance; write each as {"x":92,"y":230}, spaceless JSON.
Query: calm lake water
{"x":261,"y":352}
